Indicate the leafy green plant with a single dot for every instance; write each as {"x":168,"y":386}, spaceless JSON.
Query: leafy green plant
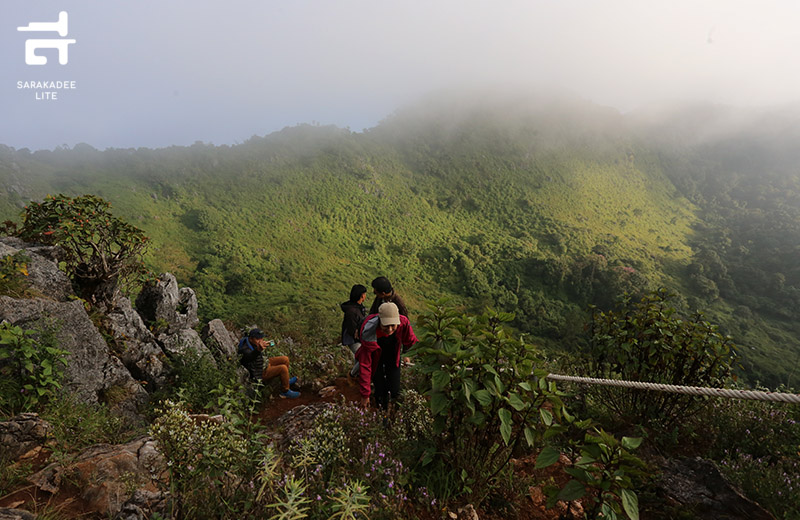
{"x":648,"y":341}
{"x":12,"y":474}
{"x":31,"y":367}
{"x":605,"y":467}
{"x":486,"y":396}
{"x":346,"y":443}
{"x":295,"y":503}
{"x":101,"y":251}
{"x":772,"y":482}
{"x":214,"y":467}
{"x":77,"y":425}
{"x":202,"y":384}
{"x":13,"y":275}
{"x":755,"y":445}
{"x":350,"y":502}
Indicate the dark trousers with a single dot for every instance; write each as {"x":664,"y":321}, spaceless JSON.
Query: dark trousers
{"x":386,"y":376}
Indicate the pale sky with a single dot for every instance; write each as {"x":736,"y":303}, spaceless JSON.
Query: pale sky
{"x":156,"y":73}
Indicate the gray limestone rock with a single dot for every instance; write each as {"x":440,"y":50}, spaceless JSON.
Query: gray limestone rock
{"x":44,"y":275}
{"x":165,"y":302}
{"x":22,"y":433}
{"x":222,"y":342}
{"x":92,"y":373}
{"x":136,"y":345}
{"x":179,"y":343}
{"x":143,"y":504}
{"x":9,"y":513}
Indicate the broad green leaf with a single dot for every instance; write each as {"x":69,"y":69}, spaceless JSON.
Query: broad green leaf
{"x":579,"y":473}
{"x":517,"y":403}
{"x":547,"y":457}
{"x":505,"y":424}
{"x":440,"y":380}
{"x":525,"y":386}
{"x":490,"y":369}
{"x":468,"y":388}
{"x":530,"y":436}
{"x":439,"y":402}
{"x":572,"y":491}
{"x":547,"y":417}
{"x":630,"y":503}
{"x":631,"y":443}
{"x":478,"y":418}
{"x":484,"y":397}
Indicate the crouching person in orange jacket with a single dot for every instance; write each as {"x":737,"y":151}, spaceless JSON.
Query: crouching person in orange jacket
{"x":384,"y":337}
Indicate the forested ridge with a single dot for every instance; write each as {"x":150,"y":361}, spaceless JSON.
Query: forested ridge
{"x":539,"y":208}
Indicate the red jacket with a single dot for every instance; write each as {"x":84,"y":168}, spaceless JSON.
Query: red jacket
{"x":369,"y":354}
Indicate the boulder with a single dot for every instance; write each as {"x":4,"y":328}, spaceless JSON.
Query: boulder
{"x":136,"y":346}
{"x":21,"y":434}
{"x":44,"y":276}
{"x":164,"y":302}
{"x":179,"y":343}
{"x":697,"y":485}
{"x":92,"y":373}
{"x":105,"y":474}
{"x":9,"y":513}
{"x":222,"y":342}
{"x":142,"y":506}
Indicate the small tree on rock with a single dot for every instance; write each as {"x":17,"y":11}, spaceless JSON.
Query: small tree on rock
{"x":100,"y":251}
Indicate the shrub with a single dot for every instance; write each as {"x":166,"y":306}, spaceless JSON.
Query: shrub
{"x":604,"y":471}
{"x":13,"y":275}
{"x":214,"y":468}
{"x":100,"y":250}
{"x":77,"y":425}
{"x":756,"y":446}
{"x":31,"y":367}
{"x":197,"y":381}
{"x":647,"y":341}
{"x":486,"y":397}
{"x":346,"y":442}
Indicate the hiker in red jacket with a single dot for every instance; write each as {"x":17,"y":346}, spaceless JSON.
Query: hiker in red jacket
{"x":384,"y":336}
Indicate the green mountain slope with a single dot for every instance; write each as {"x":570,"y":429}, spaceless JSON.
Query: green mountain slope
{"x":536,"y":207}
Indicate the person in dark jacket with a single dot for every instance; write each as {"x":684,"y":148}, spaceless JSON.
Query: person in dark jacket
{"x":384,"y":337}
{"x":251,"y":357}
{"x":384,"y":293}
{"x":354,"y":314}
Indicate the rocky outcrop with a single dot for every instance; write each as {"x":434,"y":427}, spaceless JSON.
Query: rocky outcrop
{"x":697,"y":485}
{"x":8,"y":513}
{"x":136,"y":346}
{"x":104,"y":474}
{"x":142,"y":506}
{"x":44,"y":276}
{"x":220,"y":340}
{"x":182,"y":341}
{"x":164,"y":303}
{"x":92,"y":373}
{"x":21,"y":434}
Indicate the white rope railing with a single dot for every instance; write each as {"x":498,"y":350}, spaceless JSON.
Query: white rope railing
{"x":691,"y":390}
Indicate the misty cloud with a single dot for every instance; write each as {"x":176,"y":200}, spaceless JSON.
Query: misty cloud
{"x":154,"y":73}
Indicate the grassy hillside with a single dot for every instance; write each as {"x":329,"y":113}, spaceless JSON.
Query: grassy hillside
{"x":539,"y":208}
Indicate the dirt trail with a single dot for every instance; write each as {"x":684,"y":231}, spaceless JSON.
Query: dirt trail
{"x":276,"y":406}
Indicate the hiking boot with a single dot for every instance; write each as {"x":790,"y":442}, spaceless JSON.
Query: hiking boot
{"x":292,"y":380}
{"x":290,"y":394}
